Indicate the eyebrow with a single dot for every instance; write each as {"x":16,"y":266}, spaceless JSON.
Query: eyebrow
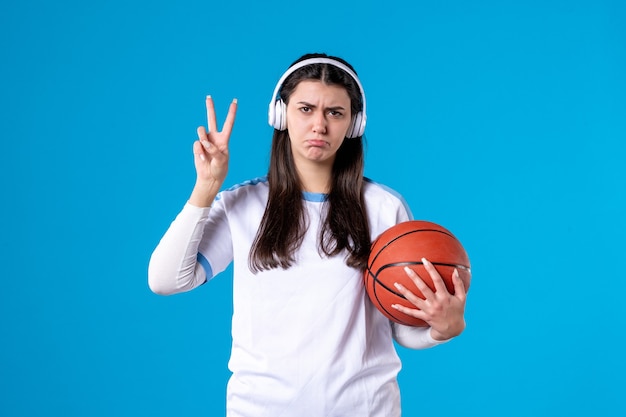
{"x":327,"y":108}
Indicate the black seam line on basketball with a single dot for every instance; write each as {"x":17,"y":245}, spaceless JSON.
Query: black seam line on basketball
{"x":419,"y":263}
{"x":382,"y":284}
{"x":408,"y":233}
{"x":394,"y":313}
{"x":422,"y":263}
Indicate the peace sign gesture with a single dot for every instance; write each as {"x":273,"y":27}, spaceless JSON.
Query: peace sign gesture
{"x":211,"y":155}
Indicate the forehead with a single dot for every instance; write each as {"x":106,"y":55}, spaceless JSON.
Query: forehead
{"x":314,"y":90}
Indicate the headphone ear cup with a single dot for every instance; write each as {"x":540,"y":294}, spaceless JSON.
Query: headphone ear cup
{"x":357,"y":126}
{"x":350,"y":132}
{"x":271,"y":114}
{"x":280,"y":115}
{"x":281,"y":108}
{"x":277,"y":115}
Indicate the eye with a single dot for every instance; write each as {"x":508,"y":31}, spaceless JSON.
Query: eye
{"x":335,"y":113}
{"x":305,"y":109}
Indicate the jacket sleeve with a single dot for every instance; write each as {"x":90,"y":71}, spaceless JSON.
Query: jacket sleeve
{"x":414,"y":337}
{"x":173,"y":266}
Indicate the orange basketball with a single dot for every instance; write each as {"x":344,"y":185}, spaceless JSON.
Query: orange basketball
{"x":405,"y":244}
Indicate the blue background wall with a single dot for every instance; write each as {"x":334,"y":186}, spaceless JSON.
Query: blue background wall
{"x":503,"y":121}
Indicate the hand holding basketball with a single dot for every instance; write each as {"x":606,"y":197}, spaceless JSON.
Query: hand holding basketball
{"x":418,"y":274}
{"x":442,"y":311}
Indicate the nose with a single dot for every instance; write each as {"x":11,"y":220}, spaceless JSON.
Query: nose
{"x":319,"y":123}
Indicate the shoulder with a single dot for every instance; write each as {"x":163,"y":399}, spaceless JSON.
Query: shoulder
{"x":386,"y":207}
{"x":380,"y":193}
{"x":253,"y":186}
{"x":247,"y":195}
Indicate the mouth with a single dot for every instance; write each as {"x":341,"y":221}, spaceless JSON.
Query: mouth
{"x":318,"y":143}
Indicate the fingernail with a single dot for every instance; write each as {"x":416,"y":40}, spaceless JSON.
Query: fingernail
{"x":407,"y":269}
{"x":398,"y":286}
{"x":235,"y":100}
{"x":424,"y":260}
{"x":394,"y":306}
{"x":208,"y":97}
{"x":202,"y":157}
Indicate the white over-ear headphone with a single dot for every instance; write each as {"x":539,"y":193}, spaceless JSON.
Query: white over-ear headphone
{"x":277,"y":114}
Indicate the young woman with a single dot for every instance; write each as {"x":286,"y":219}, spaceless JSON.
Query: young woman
{"x":306,"y":339}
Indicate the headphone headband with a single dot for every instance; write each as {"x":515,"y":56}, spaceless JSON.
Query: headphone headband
{"x":277,"y":108}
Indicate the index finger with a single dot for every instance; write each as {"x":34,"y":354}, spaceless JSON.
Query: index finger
{"x":210,"y":114}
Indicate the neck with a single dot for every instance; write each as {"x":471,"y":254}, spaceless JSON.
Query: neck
{"x":315,"y":178}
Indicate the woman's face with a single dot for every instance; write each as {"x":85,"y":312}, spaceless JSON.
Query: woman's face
{"x":318,"y":118}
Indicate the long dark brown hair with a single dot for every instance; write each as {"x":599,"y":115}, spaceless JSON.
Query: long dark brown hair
{"x":284,"y":222}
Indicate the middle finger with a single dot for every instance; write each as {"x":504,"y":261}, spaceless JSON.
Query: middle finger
{"x":438,"y":283}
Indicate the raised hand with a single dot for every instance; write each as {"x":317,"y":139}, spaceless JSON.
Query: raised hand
{"x":211,"y":155}
{"x":444,"y":312}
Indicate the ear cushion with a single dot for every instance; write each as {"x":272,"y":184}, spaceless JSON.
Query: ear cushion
{"x":279,"y":117}
{"x":281,"y":108}
{"x":271,"y":113}
{"x":357,"y":127}
{"x":276,"y":115}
